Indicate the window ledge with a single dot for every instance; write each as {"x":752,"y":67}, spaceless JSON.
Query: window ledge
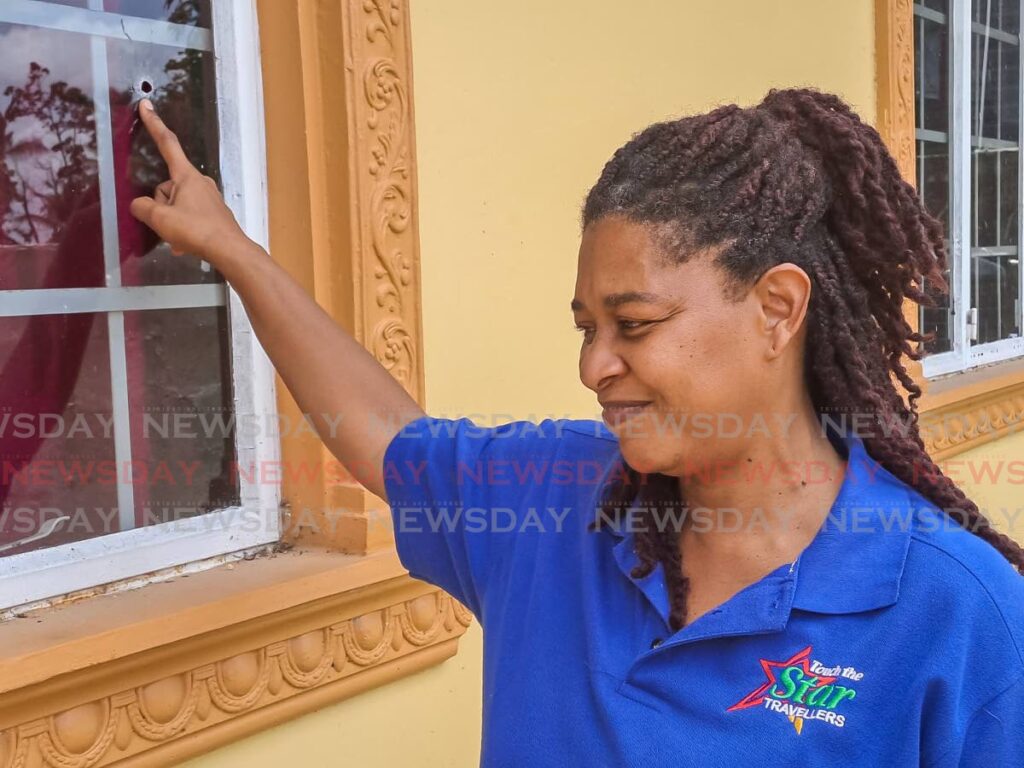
{"x":158,"y":674}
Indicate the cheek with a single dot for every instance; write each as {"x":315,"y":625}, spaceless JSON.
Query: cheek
{"x":705,"y":372}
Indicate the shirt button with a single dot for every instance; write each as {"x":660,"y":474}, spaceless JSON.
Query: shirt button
{"x":656,"y":642}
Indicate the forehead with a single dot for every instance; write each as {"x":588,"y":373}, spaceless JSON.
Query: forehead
{"x":615,"y":239}
{"x":620,"y":256}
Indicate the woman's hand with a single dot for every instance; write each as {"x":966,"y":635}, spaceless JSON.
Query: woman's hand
{"x":187,"y":210}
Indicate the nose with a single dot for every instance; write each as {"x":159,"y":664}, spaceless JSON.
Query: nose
{"x":600,"y":361}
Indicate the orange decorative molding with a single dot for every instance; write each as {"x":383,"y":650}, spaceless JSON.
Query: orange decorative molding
{"x":972,"y":421}
{"x":183,"y":699}
{"x":894,"y":30}
{"x":343,"y":217}
{"x":894,"y":77}
{"x":378,"y":40}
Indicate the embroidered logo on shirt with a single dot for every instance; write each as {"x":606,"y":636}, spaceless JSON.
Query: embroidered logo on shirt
{"x":803,"y":689}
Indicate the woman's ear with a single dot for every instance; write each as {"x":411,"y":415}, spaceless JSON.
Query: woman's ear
{"x":783,"y":293}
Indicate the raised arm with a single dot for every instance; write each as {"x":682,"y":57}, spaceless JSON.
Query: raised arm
{"x":357,"y":406}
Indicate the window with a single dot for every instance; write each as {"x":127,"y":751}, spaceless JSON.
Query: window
{"x":967,"y":56}
{"x":135,"y":402}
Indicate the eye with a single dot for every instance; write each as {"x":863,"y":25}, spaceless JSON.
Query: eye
{"x":587,"y":333}
{"x":632,"y":325}
{"x":624,"y":325}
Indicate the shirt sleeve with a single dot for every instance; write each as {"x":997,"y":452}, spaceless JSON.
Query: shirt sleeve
{"x":995,"y":734}
{"x":455,"y":490}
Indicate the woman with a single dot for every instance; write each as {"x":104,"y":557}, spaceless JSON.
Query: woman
{"x":752,"y":560}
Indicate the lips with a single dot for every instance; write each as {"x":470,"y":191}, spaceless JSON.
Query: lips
{"x":618,"y":412}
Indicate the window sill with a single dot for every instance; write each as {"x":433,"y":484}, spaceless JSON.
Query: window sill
{"x":155,"y":675}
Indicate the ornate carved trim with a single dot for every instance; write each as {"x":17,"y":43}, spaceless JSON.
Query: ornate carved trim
{"x":894,"y":75}
{"x":342,"y":157}
{"x":194,"y":696}
{"x":377,"y":36}
{"x":894,"y":35}
{"x":973,"y":421}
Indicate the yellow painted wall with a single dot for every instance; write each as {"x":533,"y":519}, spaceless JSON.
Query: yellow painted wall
{"x":993,"y":477}
{"x":518,"y":106}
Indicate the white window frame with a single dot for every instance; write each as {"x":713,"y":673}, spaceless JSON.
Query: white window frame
{"x":209,"y":539}
{"x":965,"y":355}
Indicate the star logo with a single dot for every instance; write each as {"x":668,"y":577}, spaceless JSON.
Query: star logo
{"x":757,"y":696}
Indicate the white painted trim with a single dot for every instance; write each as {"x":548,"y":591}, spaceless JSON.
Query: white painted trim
{"x":119,"y":404}
{"x":997,"y":350}
{"x":43,"y":573}
{"x":992,"y":33}
{"x":926,"y":134}
{"x":120,"y":407}
{"x":105,"y":159}
{"x":64,"y":18}
{"x":941,"y":364}
{"x":928,"y":13}
{"x":960,"y":177}
{"x":946,"y":363}
{"x":67,"y":301}
{"x":244,"y":182}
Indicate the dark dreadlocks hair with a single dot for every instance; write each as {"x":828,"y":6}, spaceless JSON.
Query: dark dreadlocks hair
{"x":798,"y":178}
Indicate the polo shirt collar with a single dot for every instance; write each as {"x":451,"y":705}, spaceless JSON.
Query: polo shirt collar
{"x":854,"y":563}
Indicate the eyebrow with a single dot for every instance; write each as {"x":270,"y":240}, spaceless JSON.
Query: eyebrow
{"x":613,"y":300}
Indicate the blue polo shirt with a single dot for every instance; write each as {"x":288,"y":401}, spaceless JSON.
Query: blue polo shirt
{"x":895,"y":639}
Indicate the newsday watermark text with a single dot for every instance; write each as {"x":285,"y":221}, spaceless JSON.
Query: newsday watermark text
{"x":452,"y":519}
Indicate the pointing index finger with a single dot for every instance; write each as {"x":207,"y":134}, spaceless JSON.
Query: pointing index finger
{"x":166,"y":142}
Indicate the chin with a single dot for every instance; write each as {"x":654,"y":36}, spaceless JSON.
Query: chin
{"x":642,"y":455}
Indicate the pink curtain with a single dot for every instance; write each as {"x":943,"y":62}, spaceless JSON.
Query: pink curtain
{"x":40,"y":375}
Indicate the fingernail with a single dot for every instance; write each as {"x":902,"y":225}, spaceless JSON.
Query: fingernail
{"x":146,"y":104}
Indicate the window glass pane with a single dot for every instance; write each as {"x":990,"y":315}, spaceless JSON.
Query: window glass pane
{"x":942,"y":6}
{"x":56,"y":429}
{"x":931,"y":51}
{"x":985,"y":197}
{"x":987,"y":12}
{"x":933,"y":187}
{"x":995,"y":81}
{"x":995,"y":281}
{"x":50,"y":224}
{"x":182,"y":88}
{"x":995,"y":199}
{"x":1008,"y":197}
{"x":1008,"y":115}
{"x":933,"y":178}
{"x":937,"y":320}
{"x":1003,"y":15}
{"x":192,"y":12}
{"x":1011,"y":17}
{"x":180,"y":397}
